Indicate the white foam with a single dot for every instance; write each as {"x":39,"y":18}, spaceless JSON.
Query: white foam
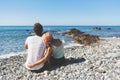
{"x":68,"y":45}
{"x":11,"y":54}
{"x":72,"y":45}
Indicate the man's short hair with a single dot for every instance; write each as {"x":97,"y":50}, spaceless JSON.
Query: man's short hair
{"x":38,"y":29}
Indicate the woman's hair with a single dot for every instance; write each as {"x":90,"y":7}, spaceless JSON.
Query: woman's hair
{"x":56,"y":42}
{"x":38,"y":29}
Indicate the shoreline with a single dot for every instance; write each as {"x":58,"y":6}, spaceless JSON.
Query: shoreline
{"x":66,"y":46}
{"x":99,"y":61}
{"x":3,"y":56}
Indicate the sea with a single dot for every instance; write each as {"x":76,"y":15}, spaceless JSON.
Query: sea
{"x":12,"y":38}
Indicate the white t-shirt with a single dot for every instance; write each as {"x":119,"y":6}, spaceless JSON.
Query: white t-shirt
{"x":36,"y":48}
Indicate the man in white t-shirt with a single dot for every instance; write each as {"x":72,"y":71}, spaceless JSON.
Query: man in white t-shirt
{"x":36,"y":47}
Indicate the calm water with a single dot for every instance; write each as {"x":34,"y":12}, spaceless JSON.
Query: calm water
{"x":12,"y":38}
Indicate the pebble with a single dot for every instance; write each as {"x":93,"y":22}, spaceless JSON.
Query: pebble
{"x":100,"y":61}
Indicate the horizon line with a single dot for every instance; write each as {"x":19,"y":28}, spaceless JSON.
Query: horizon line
{"x":61,"y":25}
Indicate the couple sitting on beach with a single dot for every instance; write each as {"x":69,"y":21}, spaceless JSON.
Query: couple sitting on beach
{"x":43,"y":49}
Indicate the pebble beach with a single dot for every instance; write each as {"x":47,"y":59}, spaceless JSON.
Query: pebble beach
{"x":99,"y":61}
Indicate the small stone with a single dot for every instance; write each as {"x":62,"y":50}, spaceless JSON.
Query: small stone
{"x":99,"y":63}
{"x":118,"y":63}
{"x":46,"y":73}
{"x":101,"y":70}
{"x":2,"y":77}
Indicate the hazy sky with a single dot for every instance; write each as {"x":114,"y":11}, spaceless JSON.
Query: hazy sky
{"x":60,"y":12}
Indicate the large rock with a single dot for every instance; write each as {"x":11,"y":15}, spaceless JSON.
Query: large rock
{"x":82,"y":37}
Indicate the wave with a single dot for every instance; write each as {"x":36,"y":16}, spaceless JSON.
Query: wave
{"x":66,"y":45}
{"x":72,"y":45}
{"x":11,"y":54}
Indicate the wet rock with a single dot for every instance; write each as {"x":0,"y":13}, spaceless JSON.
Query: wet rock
{"x":99,"y":28}
{"x":82,"y":37}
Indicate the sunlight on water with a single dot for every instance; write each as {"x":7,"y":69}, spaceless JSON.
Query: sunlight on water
{"x":12,"y":38}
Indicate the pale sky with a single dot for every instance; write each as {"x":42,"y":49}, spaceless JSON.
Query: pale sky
{"x":60,"y":12}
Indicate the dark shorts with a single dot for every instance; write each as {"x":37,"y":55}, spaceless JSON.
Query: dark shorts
{"x":45,"y":67}
{"x":54,"y":61}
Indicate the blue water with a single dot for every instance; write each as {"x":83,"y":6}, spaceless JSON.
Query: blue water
{"x":12,"y":38}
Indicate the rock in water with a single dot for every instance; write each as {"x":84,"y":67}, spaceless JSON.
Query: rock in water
{"x":82,"y":37}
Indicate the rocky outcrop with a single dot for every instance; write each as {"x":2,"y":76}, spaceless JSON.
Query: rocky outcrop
{"x":82,"y":37}
{"x":99,"y":28}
